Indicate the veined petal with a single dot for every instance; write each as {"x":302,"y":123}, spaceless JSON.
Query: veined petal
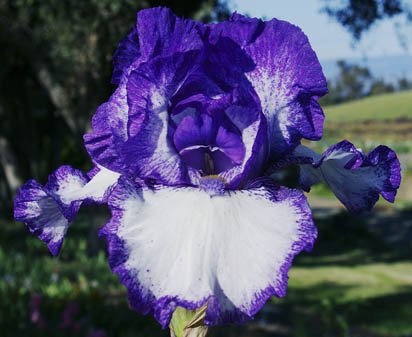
{"x":109,"y":131}
{"x":187,"y":247}
{"x":287,"y":77}
{"x":127,"y":52}
{"x":158,"y":32}
{"x":148,"y":151}
{"x":162,"y":33}
{"x":356,"y":179}
{"x":43,"y":211}
{"x":48,"y":210}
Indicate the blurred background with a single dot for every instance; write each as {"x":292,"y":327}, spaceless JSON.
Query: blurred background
{"x":55,"y":69}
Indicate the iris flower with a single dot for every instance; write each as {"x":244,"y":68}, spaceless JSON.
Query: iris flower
{"x":184,"y":149}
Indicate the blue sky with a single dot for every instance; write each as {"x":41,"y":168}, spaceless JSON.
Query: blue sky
{"x":328,"y":39}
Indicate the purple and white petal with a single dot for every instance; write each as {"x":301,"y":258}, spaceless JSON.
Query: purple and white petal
{"x":148,"y":151}
{"x":127,"y":52}
{"x":42,"y":209}
{"x":96,"y":190}
{"x":356,"y":179}
{"x":162,"y":33}
{"x":48,"y":210}
{"x":158,"y":32}
{"x":254,"y":139}
{"x":109,"y":131}
{"x":194,"y":246}
{"x":287,"y":78}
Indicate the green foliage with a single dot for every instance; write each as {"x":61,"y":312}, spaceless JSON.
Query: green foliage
{"x":356,"y":282}
{"x":75,"y":294}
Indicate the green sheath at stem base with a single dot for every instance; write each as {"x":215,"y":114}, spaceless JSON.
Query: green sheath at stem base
{"x":188,"y":323}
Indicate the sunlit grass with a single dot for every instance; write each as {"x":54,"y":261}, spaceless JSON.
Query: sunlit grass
{"x":360,"y":282}
{"x":382,"y":107}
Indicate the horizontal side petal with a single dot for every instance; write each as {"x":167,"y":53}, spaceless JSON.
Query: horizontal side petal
{"x":356,"y":179}
{"x":96,"y":190}
{"x":183,"y":247}
{"x":48,"y":210}
{"x":42,"y":209}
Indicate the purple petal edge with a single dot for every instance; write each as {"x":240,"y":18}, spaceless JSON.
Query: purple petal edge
{"x":162,"y":308}
{"x":385,"y":177}
{"x":37,"y":205}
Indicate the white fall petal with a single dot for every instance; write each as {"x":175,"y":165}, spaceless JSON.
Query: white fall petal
{"x":182,"y":246}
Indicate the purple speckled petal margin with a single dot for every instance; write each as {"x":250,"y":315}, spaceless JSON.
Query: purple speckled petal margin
{"x":356,"y":179}
{"x":42,"y":209}
{"x":48,"y":210}
{"x":287,"y":77}
{"x":165,"y":261}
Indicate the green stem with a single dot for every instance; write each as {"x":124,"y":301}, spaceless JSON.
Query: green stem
{"x":188,"y":323}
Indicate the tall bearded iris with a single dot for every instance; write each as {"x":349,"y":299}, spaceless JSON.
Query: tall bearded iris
{"x":183,"y":149}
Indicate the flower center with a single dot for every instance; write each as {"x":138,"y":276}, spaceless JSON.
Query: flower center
{"x":209,"y":143}
{"x":213,"y":185}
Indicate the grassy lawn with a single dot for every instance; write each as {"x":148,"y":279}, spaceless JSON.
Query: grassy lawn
{"x":382,"y":107}
{"x":352,"y":284}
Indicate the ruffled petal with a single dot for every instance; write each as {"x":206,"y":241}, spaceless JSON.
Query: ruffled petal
{"x":188,"y":247}
{"x":41,"y":207}
{"x":109,"y":131}
{"x":162,"y":33}
{"x":254,"y":139}
{"x":287,"y":77}
{"x":48,"y":210}
{"x":356,"y":179}
{"x":158,"y":32}
{"x":148,"y":152}
{"x":127,"y":52}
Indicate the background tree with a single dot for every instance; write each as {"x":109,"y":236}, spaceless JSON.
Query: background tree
{"x":352,"y":82}
{"x":358,"y":16}
{"x":55,"y":71}
{"x":404,"y":84}
{"x":355,"y":81}
{"x":379,"y":87}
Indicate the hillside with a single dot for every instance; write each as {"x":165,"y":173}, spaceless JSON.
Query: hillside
{"x":382,"y":107}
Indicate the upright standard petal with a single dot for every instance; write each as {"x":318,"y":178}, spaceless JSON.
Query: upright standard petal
{"x":127,"y":52}
{"x":148,"y":151}
{"x":158,"y":32}
{"x":287,"y":78}
{"x":189,"y":247}
{"x":356,"y":179}
{"x":48,"y":210}
{"x":109,"y":131}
